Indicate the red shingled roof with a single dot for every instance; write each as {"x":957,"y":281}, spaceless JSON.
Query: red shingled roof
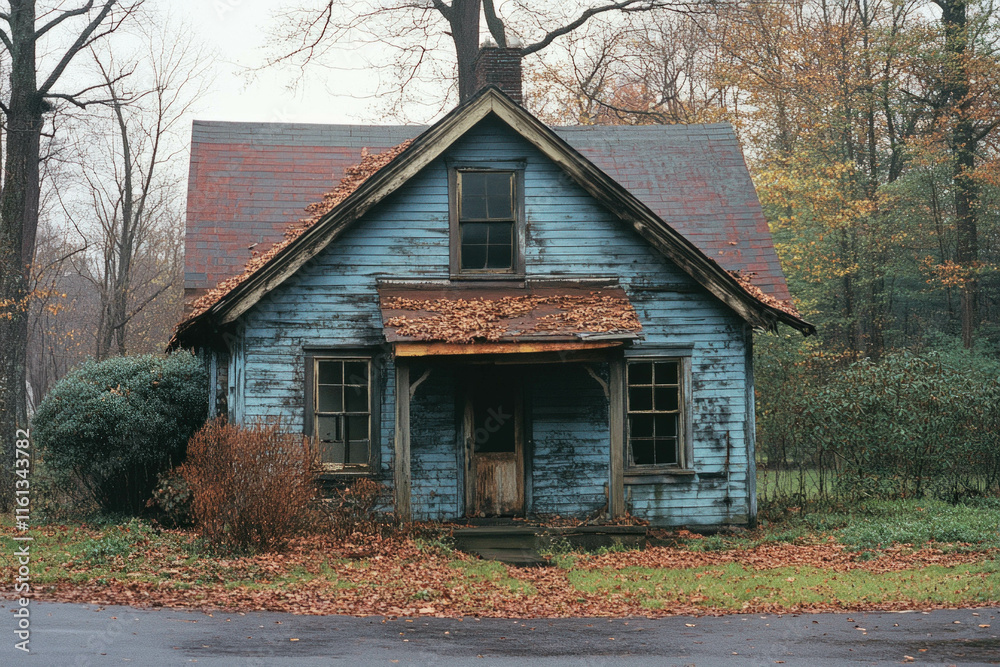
{"x":249,"y":181}
{"x":729,"y":208}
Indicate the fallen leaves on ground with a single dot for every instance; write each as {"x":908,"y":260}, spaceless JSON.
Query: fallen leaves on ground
{"x":407,"y":577}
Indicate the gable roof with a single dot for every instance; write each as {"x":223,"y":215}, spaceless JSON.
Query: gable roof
{"x":760,"y":309}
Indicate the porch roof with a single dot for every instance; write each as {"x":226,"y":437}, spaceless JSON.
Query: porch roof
{"x":542,"y":311}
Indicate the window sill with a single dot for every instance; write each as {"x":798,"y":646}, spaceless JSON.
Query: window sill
{"x":662,"y":476}
{"x":333,"y":475}
{"x":504,"y":277}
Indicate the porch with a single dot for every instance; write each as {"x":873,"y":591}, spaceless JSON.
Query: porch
{"x":510,"y":435}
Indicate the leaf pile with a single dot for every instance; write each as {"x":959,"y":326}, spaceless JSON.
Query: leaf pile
{"x":491,"y":319}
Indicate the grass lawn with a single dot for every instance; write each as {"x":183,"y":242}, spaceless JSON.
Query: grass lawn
{"x":876,"y":556}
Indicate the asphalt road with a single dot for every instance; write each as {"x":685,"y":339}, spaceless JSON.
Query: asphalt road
{"x":70,"y":634}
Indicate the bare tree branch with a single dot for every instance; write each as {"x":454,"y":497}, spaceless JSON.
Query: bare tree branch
{"x":624,"y":5}
{"x":79,"y":44}
{"x":63,"y":16}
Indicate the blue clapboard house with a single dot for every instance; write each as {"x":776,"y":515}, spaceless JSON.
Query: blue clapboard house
{"x":497,"y":318}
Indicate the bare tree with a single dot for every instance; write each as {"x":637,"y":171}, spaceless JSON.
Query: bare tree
{"x":418,"y":33}
{"x":128,"y":166}
{"x":31,"y":94}
{"x":657,"y":68}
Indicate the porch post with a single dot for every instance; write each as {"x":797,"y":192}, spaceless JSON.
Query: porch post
{"x":401,"y":465}
{"x":616,"y":417}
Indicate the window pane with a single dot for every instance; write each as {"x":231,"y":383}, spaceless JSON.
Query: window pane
{"x":357,"y":399}
{"x":326,"y":429}
{"x":666,"y":398}
{"x":500,"y":207}
{"x":642,"y":452}
{"x":640,"y":426}
{"x":666,"y":451}
{"x":498,"y":257}
{"x":357,"y":452}
{"x":474,"y":208}
{"x":331,"y":452}
{"x":356,"y":372}
{"x":666,"y":426}
{"x":331,"y":398}
{"x":640,"y":373}
{"x":331,"y":372}
{"x":473,"y":183}
{"x":498,"y":183}
{"x":473,"y":256}
{"x":356,"y":427}
{"x":500,"y":233}
{"x":475,"y":233}
{"x":666,"y":372}
{"x":640,"y":398}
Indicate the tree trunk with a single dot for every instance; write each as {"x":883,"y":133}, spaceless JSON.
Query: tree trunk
{"x":464,"y":21}
{"x":18,"y":224}
{"x":963,"y":146}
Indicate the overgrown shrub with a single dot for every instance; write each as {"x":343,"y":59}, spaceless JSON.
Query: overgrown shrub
{"x":358,"y":508}
{"x":171,"y":501}
{"x":251,"y":487}
{"x":912,"y":424}
{"x":115,"y":425}
{"x":909,"y":425}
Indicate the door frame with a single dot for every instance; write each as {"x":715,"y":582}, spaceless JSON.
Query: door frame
{"x":468,"y":439}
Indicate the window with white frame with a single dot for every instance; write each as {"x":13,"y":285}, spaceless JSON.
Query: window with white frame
{"x":655,"y":413}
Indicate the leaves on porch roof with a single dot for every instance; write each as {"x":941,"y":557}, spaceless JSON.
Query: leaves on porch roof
{"x":468,"y":320}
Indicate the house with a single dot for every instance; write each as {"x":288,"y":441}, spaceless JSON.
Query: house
{"x":494,"y":317}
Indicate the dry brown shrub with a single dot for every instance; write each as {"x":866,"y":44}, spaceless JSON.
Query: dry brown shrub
{"x":359,"y":508}
{"x":251,"y":486}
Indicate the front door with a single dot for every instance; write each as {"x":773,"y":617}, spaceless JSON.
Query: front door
{"x":494,"y":476}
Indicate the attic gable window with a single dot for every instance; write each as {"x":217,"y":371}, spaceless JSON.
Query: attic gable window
{"x":485,"y":228}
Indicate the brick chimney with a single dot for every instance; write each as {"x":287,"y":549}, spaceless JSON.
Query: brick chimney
{"x":500,"y":67}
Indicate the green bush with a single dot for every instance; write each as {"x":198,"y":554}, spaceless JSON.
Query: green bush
{"x":115,"y":425}
{"x":910,"y":425}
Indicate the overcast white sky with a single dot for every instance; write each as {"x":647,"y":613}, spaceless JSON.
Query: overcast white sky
{"x":237,"y":31}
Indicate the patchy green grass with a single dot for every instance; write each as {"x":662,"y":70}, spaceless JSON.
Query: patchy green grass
{"x":734,"y":586}
{"x":494,"y":572}
{"x":874,"y":526}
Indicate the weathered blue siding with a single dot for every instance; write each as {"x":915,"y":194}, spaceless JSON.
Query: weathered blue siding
{"x":332,"y":302}
{"x":569,"y":435}
{"x":435,"y":455}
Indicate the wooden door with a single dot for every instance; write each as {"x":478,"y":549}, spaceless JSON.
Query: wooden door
{"x":494,"y":445}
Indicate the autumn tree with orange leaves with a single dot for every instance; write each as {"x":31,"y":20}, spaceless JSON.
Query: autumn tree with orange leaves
{"x":871,"y":130}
